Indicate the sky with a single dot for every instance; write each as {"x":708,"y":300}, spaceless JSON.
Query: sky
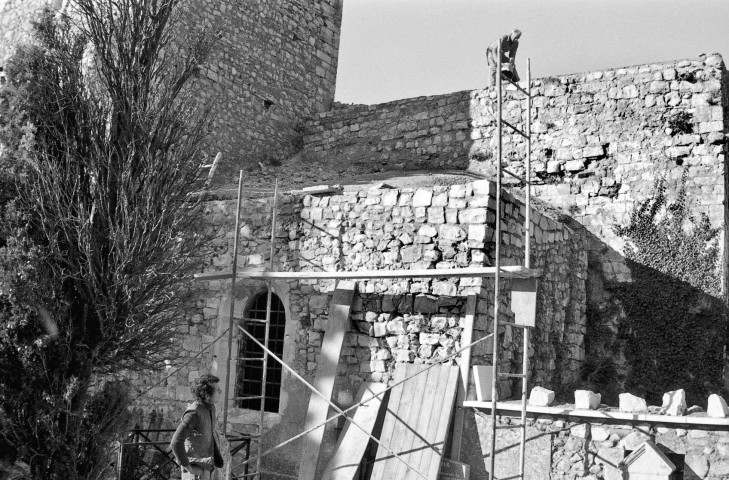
{"x":392,"y":49}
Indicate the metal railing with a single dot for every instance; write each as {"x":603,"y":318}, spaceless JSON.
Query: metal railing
{"x":145,"y":455}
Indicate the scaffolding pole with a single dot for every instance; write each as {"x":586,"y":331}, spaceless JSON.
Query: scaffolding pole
{"x":497,"y":240}
{"x":500,"y":122}
{"x":232,"y":304}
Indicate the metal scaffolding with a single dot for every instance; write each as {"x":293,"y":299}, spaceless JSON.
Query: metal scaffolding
{"x":500,"y":122}
{"x":498,"y":272}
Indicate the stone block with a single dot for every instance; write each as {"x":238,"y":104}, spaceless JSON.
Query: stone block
{"x":452,"y":233}
{"x":422,"y":198}
{"x":695,"y":467}
{"x":634,"y":439}
{"x":428,"y":231}
{"x":425,"y":304}
{"x":411,"y":254}
{"x":674,"y":402}
{"x":579,"y":431}
{"x":541,"y":397}
{"x":379,"y":330}
{"x":481,"y":187}
{"x":599,"y":434}
{"x":587,"y":400}
{"x":632,"y":404}
{"x":318,"y":302}
{"x":574,"y":165}
{"x":719,"y":468}
{"x":717,"y":407}
{"x":429,"y":339}
{"x":554,"y":166}
{"x":472,"y":215}
{"x":593,"y":152}
{"x":441,"y":287}
{"x":457,"y":191}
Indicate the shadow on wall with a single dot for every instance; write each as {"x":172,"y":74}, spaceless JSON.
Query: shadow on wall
{"x":652,"y":335}
{"x":655,"y":319}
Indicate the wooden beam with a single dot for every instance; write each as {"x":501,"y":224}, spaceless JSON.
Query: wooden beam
{"x":465,"y":365}
{"x":213,"y":276}
{"x":352,"y":443}
{"x":471,"y":272}
{"x":337,"y":325}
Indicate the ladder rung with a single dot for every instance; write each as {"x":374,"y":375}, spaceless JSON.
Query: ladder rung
{"x":517,"y":325}
{"x":519,"y":425}
{"x":522,"y":180}
{"x":518,"y":87}
{"x":252,"y":397}
{"x":514,"y":128}
{"x":513,"y":375}
{"x":253,"y":320}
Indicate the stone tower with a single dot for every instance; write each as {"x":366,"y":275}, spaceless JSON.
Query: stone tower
{"x":274,"y":67}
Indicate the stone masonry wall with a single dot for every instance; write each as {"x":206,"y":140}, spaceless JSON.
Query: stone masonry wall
{"x":274,"y":66}
{"x":599,"y":138}
{"x":407,"y":320}
{"x":600,"y":142}
{"x":559,"y":448}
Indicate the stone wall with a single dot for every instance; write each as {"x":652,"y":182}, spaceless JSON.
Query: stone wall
{"x":415,"y":133}
{"x":599,"y":138}
{"x":561,"y":448}
{"x":601,"y":141}
{"x":274,"y":65}
{"x":405,"y":320}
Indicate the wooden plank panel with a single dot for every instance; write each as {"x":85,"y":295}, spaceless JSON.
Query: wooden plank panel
{"x":432,"y":398}
{"x":416,"y":410}
{"x":431,"y":431}
{"x":352,"y":441}
{"x":402,"y":429}
{"x":388,"y":425}
{"x":402,"y":424}
{"x":444,"y":422}
{"x":337,"y":325}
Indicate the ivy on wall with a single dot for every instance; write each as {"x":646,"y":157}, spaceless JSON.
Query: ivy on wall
{"x":674,"y":322}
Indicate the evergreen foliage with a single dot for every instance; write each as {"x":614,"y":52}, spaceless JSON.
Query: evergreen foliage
{"x":103,"y":145}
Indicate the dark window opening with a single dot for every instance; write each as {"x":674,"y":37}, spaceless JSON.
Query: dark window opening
{"x":250,"y":372}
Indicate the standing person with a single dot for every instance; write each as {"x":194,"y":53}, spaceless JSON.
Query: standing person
{"x":509,"y":45}
{"x":195,"y":442}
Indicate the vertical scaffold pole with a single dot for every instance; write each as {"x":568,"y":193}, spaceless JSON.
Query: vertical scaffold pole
{"x":497,"y":240}
{"x":527,"y":264}
{"x":232,"y":304}
{"x":269,"y":300}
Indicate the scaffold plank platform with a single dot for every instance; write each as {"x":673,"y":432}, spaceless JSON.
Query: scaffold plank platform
{"x":516,"y":271}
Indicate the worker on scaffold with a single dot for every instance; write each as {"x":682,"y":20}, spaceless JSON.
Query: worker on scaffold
{"x":509,"y":45}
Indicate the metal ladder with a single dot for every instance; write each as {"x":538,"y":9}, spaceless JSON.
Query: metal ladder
{"x":527,"y":258}
{"x":244,"y":323}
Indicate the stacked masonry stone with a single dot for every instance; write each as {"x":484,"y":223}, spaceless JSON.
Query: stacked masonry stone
{"x":274,"y":65}
{"x":593,"y":450}
{"x":600,"y":139}
{"x":415,"y":133}
{"x":392,"y":321}
{"x":600,"y":142}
